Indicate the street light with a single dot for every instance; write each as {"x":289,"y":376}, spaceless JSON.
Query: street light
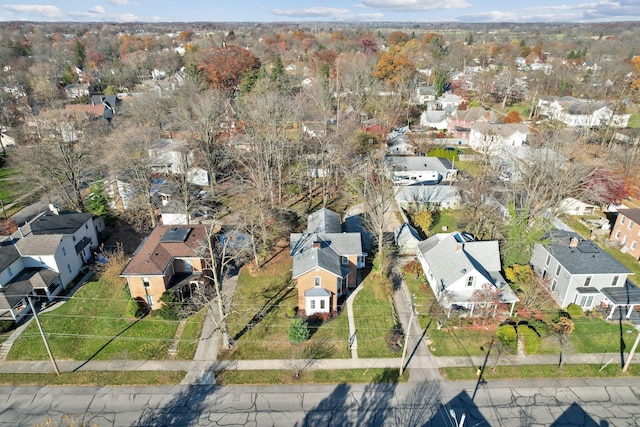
{"x":453,"y":415}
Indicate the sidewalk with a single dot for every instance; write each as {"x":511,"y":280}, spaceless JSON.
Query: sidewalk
{"x":419,"y":362}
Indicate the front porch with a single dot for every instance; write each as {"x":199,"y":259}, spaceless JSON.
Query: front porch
{"x":625,"y":300}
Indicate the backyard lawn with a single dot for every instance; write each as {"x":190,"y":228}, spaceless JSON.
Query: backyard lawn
{"x":92,"y":325}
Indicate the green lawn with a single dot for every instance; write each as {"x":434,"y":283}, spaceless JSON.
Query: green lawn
{"x":541,"y":372}
{"x":346,"y":376}
{"x":449,"y":218}
{"x":10,"y":189}
{"x":92,"y":326}
{"x":373,"y":317}
{"x":634,"y":120}
{"x":259,"y":322}
{"x":95,"y":378}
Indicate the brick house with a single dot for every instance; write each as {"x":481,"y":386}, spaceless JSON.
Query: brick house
{"x":626,"y":231}
{"x":171,"y":257}
{"x":325,"y":262}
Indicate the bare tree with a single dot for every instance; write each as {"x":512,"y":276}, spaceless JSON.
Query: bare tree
{"x":222,"y":252}
{"x":62,"y":153}
{"x":204,"y":117}
{"x":378,"y":200}
{"x":134,"y":166}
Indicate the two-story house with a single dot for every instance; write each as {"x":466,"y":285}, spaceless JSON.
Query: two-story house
{"x":460,"y":269}
{"x":626,"y":231}
{"x":490,"y":138}
{"x":44,"y":256}
{"x":325,"y":262}
{"x":171,"y":257}
{"x":575,"y":269}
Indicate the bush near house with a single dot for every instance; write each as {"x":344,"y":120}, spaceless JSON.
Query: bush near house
{"x":298,"y":331}
{"x":574,"y":310}
{"x":530,"y":339}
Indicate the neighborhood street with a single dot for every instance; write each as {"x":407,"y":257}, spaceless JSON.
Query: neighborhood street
{"x":594,"y":402}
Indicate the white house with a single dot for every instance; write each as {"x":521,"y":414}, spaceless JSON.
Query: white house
{"x":576,"y":112}
{"x":430,"y":196}
{"x":460,"y":270}
{"x":491,"y":137}
{"x":44,"y":256}
{"x":418,"y":170}
{"x":170,"y":156}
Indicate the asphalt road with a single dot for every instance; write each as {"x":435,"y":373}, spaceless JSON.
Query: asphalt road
{"x":592,"y":403}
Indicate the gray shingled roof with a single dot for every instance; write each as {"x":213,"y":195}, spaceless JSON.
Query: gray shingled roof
{"x":39,"y":245}
{"x":418,"y":163}
{"x":324,"y":221}
{"x":449,"y":264}
{"x":8,"y":254}
{"x":342,"y":243}
{"x":317,"y":291}
{"x":586,"y":258}
{"x":323,"y":257}
{"x":23,"y":284}
{"x":64,"y":223}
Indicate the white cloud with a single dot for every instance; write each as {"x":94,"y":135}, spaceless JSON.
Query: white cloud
{"x":97,"y":10}
{"x":337,"y":14}
{"x":45,"y":11}
{"x":624,"y":10}
{"x":311,"y":12}
{"x":120,"y":2}
{"x":416,"y":4}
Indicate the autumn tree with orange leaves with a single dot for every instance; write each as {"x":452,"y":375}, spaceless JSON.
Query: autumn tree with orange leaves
{"x":224,"y":67}
{"x":394,"y":67}
{"x":512,"y":117}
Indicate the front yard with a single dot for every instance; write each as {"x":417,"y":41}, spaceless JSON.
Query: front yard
{"x":92,"y":325}
{"x":461,"y":337}
{"x":259,"y":321}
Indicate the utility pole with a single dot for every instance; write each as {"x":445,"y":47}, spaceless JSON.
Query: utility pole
{"x":44,"y":338}
{"x":631,"y":353}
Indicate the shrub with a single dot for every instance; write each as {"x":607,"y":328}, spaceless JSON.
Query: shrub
{"x":298,"y":331}
{"x":574,"y":310}
{"x":508,"y":338}
{"x":291,"y":312}
{"x":134,"y":310}
{"x":170,"y":309}
{"x":530,"y":338}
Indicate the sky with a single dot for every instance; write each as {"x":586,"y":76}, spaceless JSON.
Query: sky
{"x":322,"y":10}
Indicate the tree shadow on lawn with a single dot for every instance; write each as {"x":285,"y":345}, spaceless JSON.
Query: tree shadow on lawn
{"x":271,"y":304}
{"x":106,"y":344}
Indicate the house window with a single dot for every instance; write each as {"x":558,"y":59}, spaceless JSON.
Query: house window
{"x":64,"y":251}
{"x":10,"y":272}
{"x":86,"y":226}
{"x":344,"y":260}
{"x":322,"y":304}
{"x":187,"y":266}
{"x":145,"y":282}
{"x":316,"y":281}
{"x":69,"y":268}
{"x":587,"y":281}
{"x":634,"y":244}
{"x":617,"y":234}
{"x":558,"y":270}
{"x":150,"y":300}
{"x":554,"y":283}
{"x":470,"y":281}
{"x":622,"y":219}
{"x":74,"y":238}
{"x":585,"y":300}
{"x":614,"y":282}
{"x":630,"y":225}
{"x":312,"y":304}
{"x":548,"y":259}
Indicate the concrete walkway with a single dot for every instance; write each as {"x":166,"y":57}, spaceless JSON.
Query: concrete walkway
{"x":352,"y":323}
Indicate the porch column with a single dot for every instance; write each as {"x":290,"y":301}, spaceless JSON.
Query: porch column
{"x":473,"y":306}
{"x":449,"y":313}
{"x":613,"y":309}
{"x":513,"y":305}
{"x":631,"y":307}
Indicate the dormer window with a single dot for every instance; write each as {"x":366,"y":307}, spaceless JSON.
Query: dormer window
{"x":345,"y":260}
